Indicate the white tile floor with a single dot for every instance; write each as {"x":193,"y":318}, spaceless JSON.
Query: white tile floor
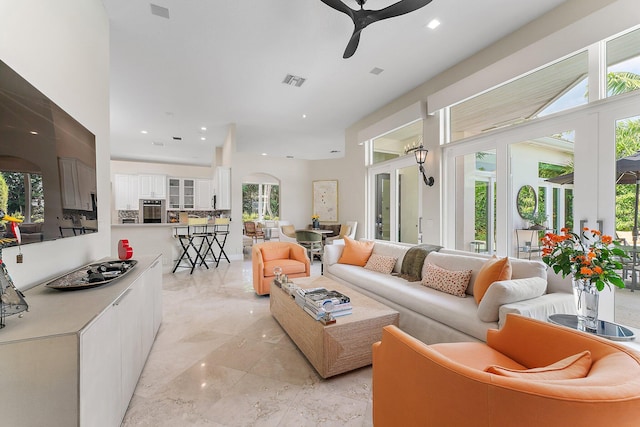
{"x":220,"y":359}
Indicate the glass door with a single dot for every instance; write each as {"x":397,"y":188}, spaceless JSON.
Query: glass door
{"x":475,"y":201}
{"x":395,"y":201}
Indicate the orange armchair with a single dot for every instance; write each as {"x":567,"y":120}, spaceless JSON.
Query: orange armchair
{"x":291,"y":257}
{"x":415,"y":384}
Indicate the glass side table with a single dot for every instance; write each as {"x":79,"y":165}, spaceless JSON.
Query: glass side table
{"x":609,"y":330}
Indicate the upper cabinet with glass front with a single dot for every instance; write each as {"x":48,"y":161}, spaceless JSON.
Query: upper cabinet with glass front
{"x":181,"y":193}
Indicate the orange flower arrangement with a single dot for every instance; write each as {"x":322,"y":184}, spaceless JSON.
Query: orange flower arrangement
{"x":594,"y":257}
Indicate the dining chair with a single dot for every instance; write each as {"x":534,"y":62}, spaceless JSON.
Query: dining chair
{"x":253,"y":231}
{"x":311,"y":241}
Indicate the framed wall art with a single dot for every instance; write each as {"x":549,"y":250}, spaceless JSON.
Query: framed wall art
{"x":325,"y":200}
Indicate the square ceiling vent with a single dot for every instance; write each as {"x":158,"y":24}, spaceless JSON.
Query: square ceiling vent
{"x":292,"y":80}
{"x":160,"y":11}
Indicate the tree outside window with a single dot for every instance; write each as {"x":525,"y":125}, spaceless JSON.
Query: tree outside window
{"x":260,"y":202}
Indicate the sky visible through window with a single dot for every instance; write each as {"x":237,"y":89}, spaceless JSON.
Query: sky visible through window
{"x":578,"y":94}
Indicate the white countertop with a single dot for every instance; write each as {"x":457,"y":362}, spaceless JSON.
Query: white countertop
{"x":140,"y":224}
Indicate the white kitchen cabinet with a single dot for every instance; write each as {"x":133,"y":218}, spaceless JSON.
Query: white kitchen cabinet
{"x":182,"y":193}
{"x":101,"y":371}
{"x":87,"y":187}
{"x":126,"y":192}
{"x":152,"y":186}
{"x":78,"y":182}
{"x":75,"y":357}
{"x":223,"y":188}
{"x":204,"y":194}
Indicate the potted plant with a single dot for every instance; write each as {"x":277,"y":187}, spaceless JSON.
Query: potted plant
{"x":537,"y":219}
{"x":315,"y":220}
{"x":592,"y":259}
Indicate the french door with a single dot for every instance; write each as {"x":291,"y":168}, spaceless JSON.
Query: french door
{"x":394,"y":201}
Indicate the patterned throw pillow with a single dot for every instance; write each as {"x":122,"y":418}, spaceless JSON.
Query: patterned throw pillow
{"x":381,"y":263}
{"x":451,"y":282}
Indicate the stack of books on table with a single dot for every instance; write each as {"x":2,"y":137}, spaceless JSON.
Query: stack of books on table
{"x":317,"y":302}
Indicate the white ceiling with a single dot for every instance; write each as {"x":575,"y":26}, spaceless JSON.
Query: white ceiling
{"x":218,"y":62}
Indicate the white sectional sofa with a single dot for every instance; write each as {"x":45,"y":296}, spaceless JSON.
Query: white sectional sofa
{"x":433,"y":316}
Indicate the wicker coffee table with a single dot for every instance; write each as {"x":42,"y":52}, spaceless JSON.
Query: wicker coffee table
{"x":339,"y":347}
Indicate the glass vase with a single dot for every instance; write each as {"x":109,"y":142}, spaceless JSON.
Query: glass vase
{"x":586,"y":297}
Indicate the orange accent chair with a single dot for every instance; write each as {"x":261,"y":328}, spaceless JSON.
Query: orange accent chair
{"x":415,"y":384}
{"x":291,"y":257}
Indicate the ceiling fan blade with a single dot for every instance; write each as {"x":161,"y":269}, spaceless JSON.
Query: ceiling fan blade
{"x":399,"y":8}
{"x":339,"y":6}
{"x":352,"y":45}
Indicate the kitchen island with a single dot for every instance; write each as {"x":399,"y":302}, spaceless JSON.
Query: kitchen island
{"x":153,"y":238}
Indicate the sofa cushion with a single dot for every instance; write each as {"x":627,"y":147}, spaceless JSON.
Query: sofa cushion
{"x":453,"y":262}
{"x":391,"y":249}
{"x":453,"y":282}
{"x":506,"y":292}
{"x":356,"y":252}
{"x":572,"y":367}
{"x":277,"y":252}
{"x":457,"y":313}
{"x":381,"y":263}
{"x":495,"y":269}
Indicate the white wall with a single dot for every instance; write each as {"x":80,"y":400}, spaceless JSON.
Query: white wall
{"x":62,"y":48}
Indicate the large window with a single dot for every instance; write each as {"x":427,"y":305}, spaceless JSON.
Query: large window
{"x":557,"y":87}
{"x":260,"y":201}
{"x":623,"y":63}
{"x":393,"y":144}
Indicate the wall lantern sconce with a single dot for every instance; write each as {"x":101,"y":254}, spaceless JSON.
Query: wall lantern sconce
{"x":421,"y":155}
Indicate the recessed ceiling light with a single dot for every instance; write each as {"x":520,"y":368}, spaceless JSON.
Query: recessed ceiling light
{"x":376,"y":71}
{"x":158,"y":143}
{"x":304,"y":116}
{"x":334,"y":151}
{"x":433,"y":24}
{"x":203,"y":138}
{"x":203,"y":128}
{"x":360,"y":143}
{"x":177,"y":138}
{"x":144,"y":132}
{"x":264,"y":154}
{"x":33,"y":132}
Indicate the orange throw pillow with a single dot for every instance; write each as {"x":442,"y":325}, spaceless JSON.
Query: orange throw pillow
{"x":494,"y":270}
{"x":572,"y":367}
{"x":356,"y":252}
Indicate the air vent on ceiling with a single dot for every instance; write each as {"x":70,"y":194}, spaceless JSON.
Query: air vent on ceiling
{"x":334,"y":151}
{"x":376,"y":71}
{"x":289,"y":157}
{"x":160,"y":11}
{"x":158,"y":143}
{"x":177,"y":138}
{"x":292,"y":80}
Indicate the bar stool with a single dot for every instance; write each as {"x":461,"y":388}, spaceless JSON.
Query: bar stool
{"x":221,"y":228}
{"x":206,"y":235}
{"x":186,"y":238}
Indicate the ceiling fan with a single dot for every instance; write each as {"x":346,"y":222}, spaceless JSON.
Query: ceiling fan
{"x":362,"y":18}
